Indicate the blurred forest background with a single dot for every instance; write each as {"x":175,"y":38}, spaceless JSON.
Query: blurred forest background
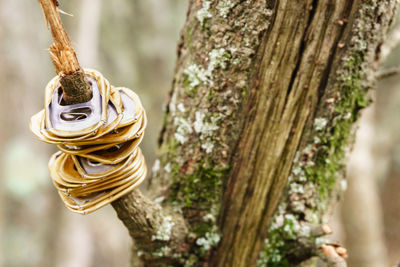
{"x":133,"y":43}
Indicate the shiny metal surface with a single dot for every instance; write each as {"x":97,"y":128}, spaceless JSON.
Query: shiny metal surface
{"x":100,"y":159}
{"x":75,"y":117}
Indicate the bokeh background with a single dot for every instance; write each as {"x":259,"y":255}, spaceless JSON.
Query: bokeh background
{"x":133,"y":43}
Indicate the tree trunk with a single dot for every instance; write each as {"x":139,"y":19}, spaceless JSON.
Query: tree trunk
{"x":263,"y":92}
{"x":362,"y":208}
{"x":387,"y":151}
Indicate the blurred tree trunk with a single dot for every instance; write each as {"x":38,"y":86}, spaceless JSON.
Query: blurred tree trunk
{"x":362,"y":209}
{"x":24,"y":177}
{"x":264,"y":92}
{"x":137,"y":45}
{"x":88,"y":32}
{"x":391,"y":205}
{"x":388,"y":158}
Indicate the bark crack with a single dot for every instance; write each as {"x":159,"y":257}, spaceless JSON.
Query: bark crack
{"x":312,"y":8}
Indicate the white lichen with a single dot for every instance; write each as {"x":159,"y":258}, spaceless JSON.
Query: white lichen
{"x":296,"y":188}
{"x":209,"y":217}
{"x":156,"y":166}
{"x":320,"y":123}
{"x":277,"y":222}
{"x":317,"y":140}
{"x":302,"y":178}
{"x":291,"y":225}
{"x":195,"y":75}
{"x":198,"y":123}
{"x":224,"y":7}
{"x":183,"y":129}
{"x":209,"y":240}
{"x":305,"y":230}
{"x":206,"y":129}
{"x":297,"y":170}
{"x":159,"y":200}
{"x":161,"y":252}
{"x":207,"y":146}
{"x":181,"y":107}
{"x":343,"y":185}
{"x":217,"y":58}
{"x":167,"y":167}
{"x":171,"y":106}
{"x":204,"y":12}
{"x":164,"y":231}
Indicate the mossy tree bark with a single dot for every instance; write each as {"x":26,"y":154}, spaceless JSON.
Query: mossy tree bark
{"x":264,"y":92}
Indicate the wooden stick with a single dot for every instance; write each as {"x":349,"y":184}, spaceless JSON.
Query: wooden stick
{"x":76,"y":88}
{"x":387,"y":73}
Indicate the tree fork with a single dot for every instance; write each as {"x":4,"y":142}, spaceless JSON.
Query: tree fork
{"x":151,"y":227}
{"x":76,"y":88}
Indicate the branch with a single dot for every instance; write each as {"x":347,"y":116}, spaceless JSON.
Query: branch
{"x":384,"y":74}
{"x":76,"y":88}
{"x":151,"y":227}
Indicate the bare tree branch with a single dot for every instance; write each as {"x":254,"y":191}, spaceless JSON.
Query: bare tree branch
{"x":387,"y":73}
{"x":76,"y":89}
{"x":150,"y":227}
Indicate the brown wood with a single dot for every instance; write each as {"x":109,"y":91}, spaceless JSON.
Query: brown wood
{"x":76,"y":88}
{"x":276,"y":121}
{"x":152,"y":228}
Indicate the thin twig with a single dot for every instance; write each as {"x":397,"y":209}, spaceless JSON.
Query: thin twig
{"x":61,"y":51}
{"x":76,"y":88}
{"x":387,"y":73}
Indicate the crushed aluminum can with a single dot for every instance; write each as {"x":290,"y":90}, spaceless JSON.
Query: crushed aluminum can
{"x":99,"y":159}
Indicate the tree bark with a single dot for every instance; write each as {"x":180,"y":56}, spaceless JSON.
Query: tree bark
{"x":76,"y":88}
{"x":263,"y":92}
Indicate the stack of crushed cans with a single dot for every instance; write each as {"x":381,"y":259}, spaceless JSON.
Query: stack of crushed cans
{"x":99,"y":159}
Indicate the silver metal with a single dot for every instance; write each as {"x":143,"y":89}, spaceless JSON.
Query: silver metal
{"x":111,"y":113}
{"x":130,"y":106}
{"x":76,"y":117}
{"x":93,"y":167}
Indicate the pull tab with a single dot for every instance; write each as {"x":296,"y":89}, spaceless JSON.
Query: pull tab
{"x":76,"y":114}
{"x":77,"y":117}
